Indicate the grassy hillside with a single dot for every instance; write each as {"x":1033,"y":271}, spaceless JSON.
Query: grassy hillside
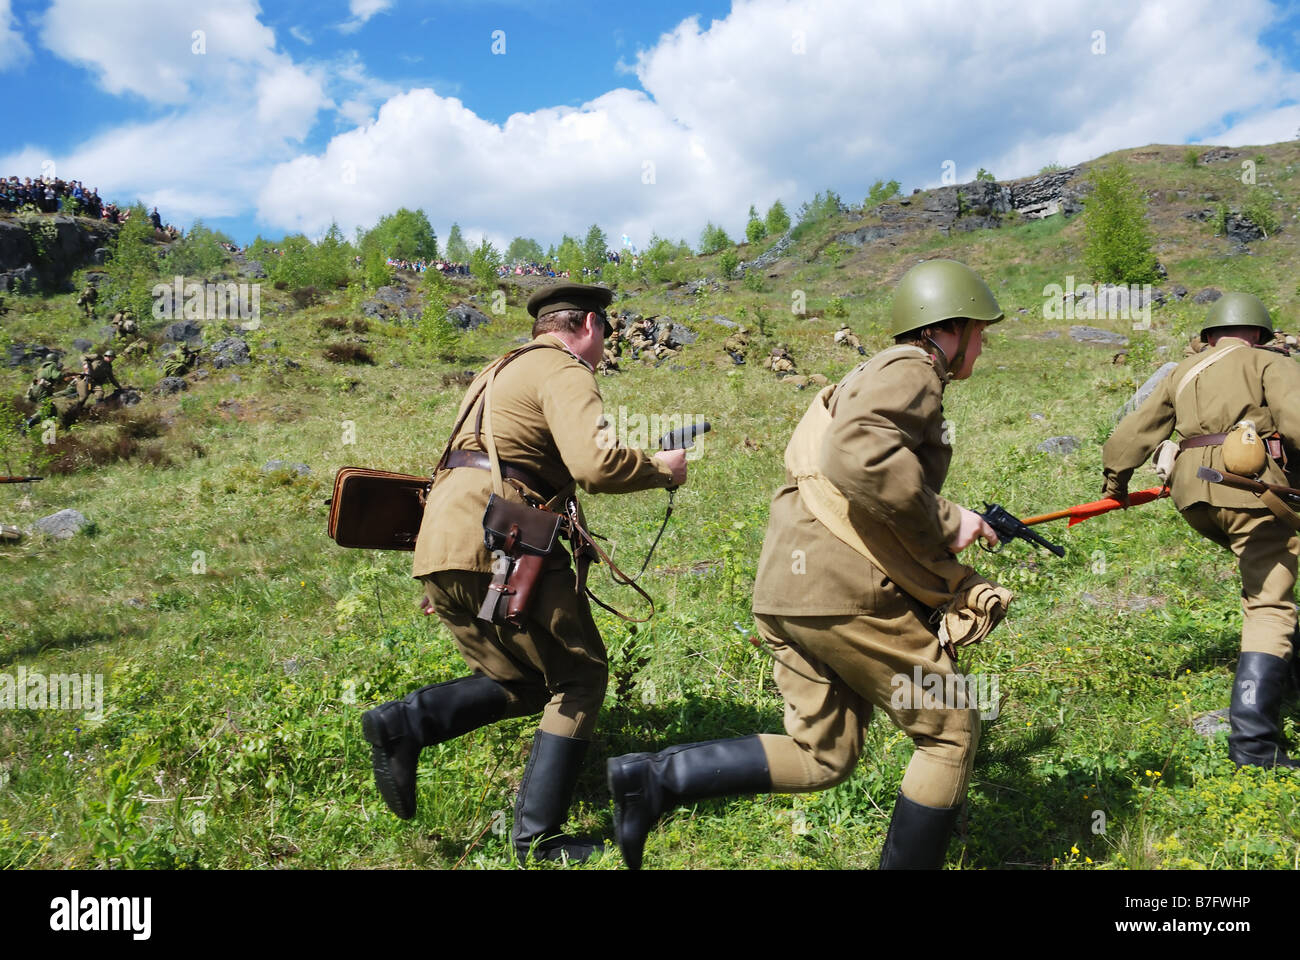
{"x":239,"y":644}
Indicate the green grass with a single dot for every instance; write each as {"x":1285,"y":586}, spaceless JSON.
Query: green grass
{"x":231,"y":733}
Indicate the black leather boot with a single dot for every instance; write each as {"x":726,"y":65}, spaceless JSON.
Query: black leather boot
{"x":399,"y":729}
{"x":647,"y":785}
{"x":543,"y":802}
{"x":1256,"y":737}
{"x":918,"y":836}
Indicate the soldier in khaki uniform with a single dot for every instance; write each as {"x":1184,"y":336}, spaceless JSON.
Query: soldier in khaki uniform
{"x":1203,"y":399}
{"x":846,"y":336}
{"x":846,"y":638}
{"x":546,"y":418}
{"x":89,"y":297}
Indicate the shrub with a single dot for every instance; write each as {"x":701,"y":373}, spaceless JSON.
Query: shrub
{"x":755,"y":229}
{"x":1258,"y":209}
{"x":777,"y":220}
{"x":880,"y":192}
{"x":354,"y":353}
{"x":1118,"y":246}
{"x":712,"y":239}
{"x":1191,"y":157}
{"x":728,"y":262}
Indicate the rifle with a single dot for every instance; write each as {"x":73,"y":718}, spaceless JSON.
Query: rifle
{"x":1245,"y":483}
{"x":1008,"y":527}
{"x":19,"y":479}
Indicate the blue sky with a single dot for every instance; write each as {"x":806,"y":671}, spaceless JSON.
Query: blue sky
{"x":642,"y":117}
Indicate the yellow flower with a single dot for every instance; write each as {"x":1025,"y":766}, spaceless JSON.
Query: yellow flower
{"x":1074,"y":849}
{"x":1087,"y":859}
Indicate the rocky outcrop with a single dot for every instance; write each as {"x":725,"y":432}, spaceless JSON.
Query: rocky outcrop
{"x":42,"y":252}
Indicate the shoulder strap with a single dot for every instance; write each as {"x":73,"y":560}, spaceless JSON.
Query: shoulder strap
{"x":496,"y":367}
{"x":1203,"y":365}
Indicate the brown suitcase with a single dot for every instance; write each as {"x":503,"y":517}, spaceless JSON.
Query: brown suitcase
{"x":377,"y":510}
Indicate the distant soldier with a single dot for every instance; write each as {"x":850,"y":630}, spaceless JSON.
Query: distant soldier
{"x":99,"y":375}
{"x":639,"y":337}
{"x":124,"y":324}
{"x":846,"y":336}
{"x":1283,"y":343}
{"x":780,"y":362}
{"x":89,"y":297}
{"x":737,"y":345}
{"x":181,"y":361}
{"x":138,"y":347}
{"x":609,"y":361}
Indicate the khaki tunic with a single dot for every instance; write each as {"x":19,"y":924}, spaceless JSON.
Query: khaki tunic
{"x":1244,"y":384}
{"x":546,"y":419}
{"x":842,"y":633}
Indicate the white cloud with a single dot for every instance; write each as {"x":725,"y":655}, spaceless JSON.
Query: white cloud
{"x":299,"y":34}
{"x":288,"y":99}
{"x":14,"y":51}
{"x":779,"y":98}
{"x":736,"y":114}
{"x":362,"y":11}
{"x":149,"y":47}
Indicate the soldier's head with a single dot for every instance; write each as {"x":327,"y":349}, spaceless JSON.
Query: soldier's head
{"x":1240,"y":315}
{"x":577,"y":314}
{"x":944,"y":304}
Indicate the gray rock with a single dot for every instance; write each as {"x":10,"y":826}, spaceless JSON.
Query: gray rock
{"x":235,"y":378}
{"x":1179,"y":291}
{"x":1037,"y":416}
{"x":184,"y":331}
{"x":81,"y":344}
{"x":465,"y":317}
{"x":291,"y":364}
{"x":862,"y":235}
{"x":1059,"y":445}
{"x":1241,"y":230}
{"x":1208,"y":295}
{"x":253,"y":269}
{"x":1050,"y":335}
{"x":170,"y":385}
{"x":31,"y":354}
{"x":1140,"y":395}
{"x":1219,"y":154}
{"x":273,"y":465}
{"x":99,"y":256}
{"x":769,"y":256}
{"x":724,"y":322}
{"x":1209,"y":724}
{"x":1085,"y":334}
{"x":231,"y":351}
{"x":62,"y":525}
{"x":683,"y":334}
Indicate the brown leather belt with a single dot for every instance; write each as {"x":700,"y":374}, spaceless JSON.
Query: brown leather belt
{"x":479,"y":461}
{"x":1204,"y":440}
{"x":1273,"y":442}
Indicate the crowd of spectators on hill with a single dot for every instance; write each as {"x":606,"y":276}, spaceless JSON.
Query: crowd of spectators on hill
{"x":52,"y":195}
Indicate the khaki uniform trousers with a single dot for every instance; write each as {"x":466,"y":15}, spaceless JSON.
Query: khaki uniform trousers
{"x":834,"y":671}
{"x":557,"y":664}
{"x":1266,"y":551}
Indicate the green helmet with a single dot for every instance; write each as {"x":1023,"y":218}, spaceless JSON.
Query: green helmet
{"x":1237,"y":310}
{"x":939,"y":290}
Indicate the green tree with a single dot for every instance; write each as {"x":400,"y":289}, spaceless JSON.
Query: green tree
{"x":712,"y":239}
{"x":405,"y":235}
{"x":1118,"y":245}
{"x":569,"y":257}
{"x":594,"y":249}
{"x":524,"y":250}
{"x":656,"y":257}
{"x":483,"y":263}
{"x":434,"y":330}
{"x":777,"y":220}
{"x":755,"y":228}
{"x":457,"y":248}
{"x":982,"y":174}
{"x":333,"y":259}
{"x":132,"y":265}
{"x":881,"y":191}
{"x":197,"y":253}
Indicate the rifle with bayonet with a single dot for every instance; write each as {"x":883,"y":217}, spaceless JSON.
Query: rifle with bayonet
{"x":20,"y":479}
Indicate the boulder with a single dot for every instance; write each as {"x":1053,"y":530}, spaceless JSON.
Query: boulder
{"x":170,"y":385}
{"x":1140,"y":395}
{"x":465,"y":317}
{"x":184,"y":331}
{"x":1059,"y":445}
{"x":1084,"y":334}
{"x":271,"y":466}
{"x":232,"y":351}
{"x":1208,"y":295}
{"x":62,"y":525}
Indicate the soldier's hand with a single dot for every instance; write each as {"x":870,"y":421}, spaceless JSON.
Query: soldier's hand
{"x":972,"y":526}
{"x":674,"y":460}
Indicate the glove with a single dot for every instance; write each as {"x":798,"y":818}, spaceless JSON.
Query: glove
{"x":1115,"y":488}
